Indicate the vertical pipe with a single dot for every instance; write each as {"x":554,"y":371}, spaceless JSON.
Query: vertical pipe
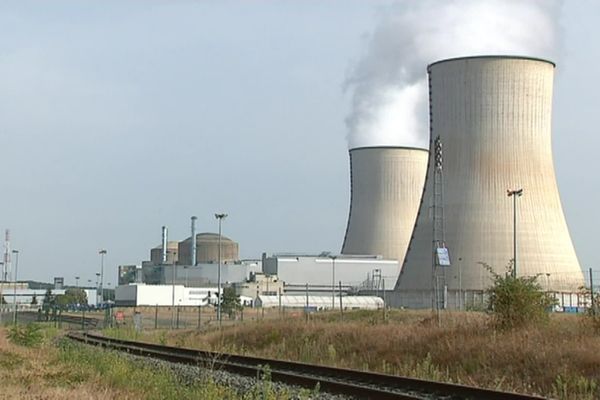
{"x":164,"y":245}
{"x":193,"y":249}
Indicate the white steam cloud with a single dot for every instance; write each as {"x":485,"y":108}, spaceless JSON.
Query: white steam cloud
{"x":389,"y":84}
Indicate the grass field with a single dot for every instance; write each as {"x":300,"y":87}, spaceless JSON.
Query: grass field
{"x":558,"y":360}
{"x":54,"y":368}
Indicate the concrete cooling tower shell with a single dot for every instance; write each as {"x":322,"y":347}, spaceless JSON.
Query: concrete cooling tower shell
{"x":386,"y":188}
{"x":493,"y":115}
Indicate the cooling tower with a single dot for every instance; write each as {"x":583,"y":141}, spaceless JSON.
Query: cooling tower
{"x":493,"y":116}
{"x":386,"y":187}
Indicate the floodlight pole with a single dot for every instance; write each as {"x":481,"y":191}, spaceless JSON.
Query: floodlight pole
{"x":102,"y":254}
{"x":220,"y":217}
{"x":514,"y":194}
{"x":16,"y":253}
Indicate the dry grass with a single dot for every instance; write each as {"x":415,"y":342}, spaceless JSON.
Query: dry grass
{"x":33,"y":373}
{"x":560,"y":360}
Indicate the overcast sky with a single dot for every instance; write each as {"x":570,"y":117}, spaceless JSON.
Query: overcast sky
{"x":118,"y":117}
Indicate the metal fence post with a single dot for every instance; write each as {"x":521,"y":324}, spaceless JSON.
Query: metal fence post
{"x":384,"y":305}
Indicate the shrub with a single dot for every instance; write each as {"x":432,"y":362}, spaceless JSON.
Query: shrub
{"x":25,"y":335}
{"x":591,"y":320}
{"x":516,"y":301}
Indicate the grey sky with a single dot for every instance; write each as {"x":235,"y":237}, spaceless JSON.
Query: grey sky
{"x":118,"y":117}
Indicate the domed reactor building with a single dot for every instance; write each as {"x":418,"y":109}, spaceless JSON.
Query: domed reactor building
{"x":490,"y":127}
{"x":386,"y":187}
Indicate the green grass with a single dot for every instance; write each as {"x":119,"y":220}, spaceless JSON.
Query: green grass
{"x":152,"y":382}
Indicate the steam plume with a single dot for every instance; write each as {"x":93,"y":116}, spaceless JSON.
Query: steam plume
{"x":389,"y":101}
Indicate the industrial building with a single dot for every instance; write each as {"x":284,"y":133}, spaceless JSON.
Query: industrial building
{"x":490,"y":130}
{"x":207,"y":249}
{"x":259,"y":284}
{"x":385,"y":193}
{"x":322,"y":272}
{"x":321,"y":302}
{"x":164,"y":295}
{"x":172,"y":253}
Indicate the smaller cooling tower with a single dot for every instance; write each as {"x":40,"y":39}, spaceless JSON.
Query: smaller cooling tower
{"x":386,"y":188}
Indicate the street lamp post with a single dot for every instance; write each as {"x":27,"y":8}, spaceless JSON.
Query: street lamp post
{"x":332,"y":281}
{"x":77,"y":282}
{"x":460,"y":292}
{"x":514,"y":194}
{"x":16,"y":253}
{"x":102,"y":254}
{"x":220,"y":217}
{"x":97,"y":289}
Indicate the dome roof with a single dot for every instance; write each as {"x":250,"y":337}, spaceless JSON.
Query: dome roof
{"x":209,"y":237}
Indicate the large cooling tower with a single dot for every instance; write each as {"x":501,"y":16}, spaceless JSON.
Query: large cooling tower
{"x":493,"y":116}
{"x":386,"y":187}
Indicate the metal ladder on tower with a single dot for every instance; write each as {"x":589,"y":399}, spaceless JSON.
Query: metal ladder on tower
{"x":438,"y":279}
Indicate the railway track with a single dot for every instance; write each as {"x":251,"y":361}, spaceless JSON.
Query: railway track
{"x":364,"y":385}
{"x":77,"y":321}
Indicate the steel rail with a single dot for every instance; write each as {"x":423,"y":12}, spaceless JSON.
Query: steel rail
{"x":360,"y":384}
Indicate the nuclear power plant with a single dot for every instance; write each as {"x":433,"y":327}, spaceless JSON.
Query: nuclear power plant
{"x":490,"y":131}
{"x":386,"y":188}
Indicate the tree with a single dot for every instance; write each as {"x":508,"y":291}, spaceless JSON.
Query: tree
{"x":34,"y":300}
{"x":71,"y":297}
{"x":48,"y":298}
{"x":517,"y":301}
{"x":231,"y":301}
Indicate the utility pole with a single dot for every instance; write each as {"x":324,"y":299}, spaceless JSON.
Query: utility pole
{"x":16,"y":253}
{"x":514,"y":194}
{"x":332,"y":281}
{"x":219,"y":217}
{"x":102,"y":254}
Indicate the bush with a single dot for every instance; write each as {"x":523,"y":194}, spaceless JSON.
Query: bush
{"x":25,"y":335}
{"x":517,"y":301}
{"x":591,"y":320}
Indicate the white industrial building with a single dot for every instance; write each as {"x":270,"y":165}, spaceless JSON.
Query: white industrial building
{"x":297,"y":270}
{"x":321,"y":302}
{"x":140,"y":294}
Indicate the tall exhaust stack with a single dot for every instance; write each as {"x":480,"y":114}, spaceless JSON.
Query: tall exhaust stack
{"x":164,"y":244}
{"x":493,"y":115}
{"x":386,"y":184}
{"x":194,"y":218}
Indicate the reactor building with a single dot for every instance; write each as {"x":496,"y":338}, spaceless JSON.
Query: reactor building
{"x":490,"y":131}
{"x":386,"y":184}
